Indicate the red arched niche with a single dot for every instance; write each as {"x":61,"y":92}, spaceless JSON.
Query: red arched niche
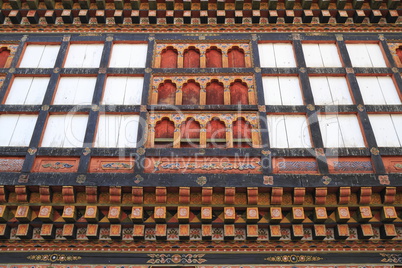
{"x":399,"y":53}
{"x":215,"y":93}
{"x":236,"y":57}
{"x":4,"y":54}
{"x":190,"y":133}
{"x":169,"y":58}
{"x":191,"y":58}
{"x":164,"y":133}
{"x":238,"y":93}
{"x":214,"y":58}
{"x":216,"y":133}
{"x":167,"y":93}
{"x":241,"y":133}
{"x":191,"y":93}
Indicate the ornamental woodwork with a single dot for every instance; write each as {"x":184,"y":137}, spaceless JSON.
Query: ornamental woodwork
{"x":203,"y":90}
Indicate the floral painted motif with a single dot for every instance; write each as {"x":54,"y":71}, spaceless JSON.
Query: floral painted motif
{"x":57,"y":165}
{"x":53,"y":257}
{"x":294,"y":258}
{"x":117,"y":165}
{"x":176,"y":258}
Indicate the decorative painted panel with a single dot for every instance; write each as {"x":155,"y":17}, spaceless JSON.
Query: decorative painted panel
{"x":11,"y":164}
{"x":45,"y":164}
{"x":205,"y":83}
{"x":350,"y":165}
{"x":203,"y":165}
{"x":111,"y":165}
{"x":295,"y":165}
{"x":393,"y":164}
{"x":204,"y":50}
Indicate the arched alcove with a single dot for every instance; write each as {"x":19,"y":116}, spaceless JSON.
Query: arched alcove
{"x":241,"y":133}
{"x":4,"y":54}
{"x":164,"y":133}
{"x":216,"y":134}
{"x":239,"y":93}
{"x":169,"y":58}
{"x":191,"y":58}
{"x":214,"y":58}
{"x":236,"y":58}
{"x":190,"y":133}
{"x":167,"y":93}
{"x":191,"y":93}
{"x":215,"y":93}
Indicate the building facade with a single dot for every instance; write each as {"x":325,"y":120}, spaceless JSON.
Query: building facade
{"x":200,"y":133}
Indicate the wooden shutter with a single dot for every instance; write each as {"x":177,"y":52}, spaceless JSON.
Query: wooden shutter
{"x":288,"y":131}
{"x":128,"y":55}
{"x":65,"y":130}
{"x":378,"y":90}
{"x":123,"y":90}
{"x":321,"y":55}
{"x":40,"y":56}
{"x":282,"y":90}
{"x":84,"y":55}
{"x":117,"y":131}
{"x":16,"y":129}
{"x":75,"y":90}
{"x":330,"y":90}
{"x":366,"y":55}
{"x":387,"y":129}
{"x":340,"y":130}
{"x":27,"y":90}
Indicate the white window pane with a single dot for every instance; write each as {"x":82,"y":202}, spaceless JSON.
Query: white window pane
{"x":277,"y":131}
{"x":121,"y":54}
{"x":297,"y":131}
{"x":321,"y":91}
{"x":75,"y":56}
{"x":93,"y":56}
{"x":7,"y":126}
{"x":108,"y":131}
{"x":370,"y":90}
{"x":330,"y":131}
{"x":19,"y":90}
{"x":27,"y":90}
{"x":49,"y":56}
{"x":272,"y":94}
{"x":85,"y":90}
{"x":129,"y":55}
{"x":138,"y":55}
{"x":84,"y":55}
{"x":388,"y":90}
{"x":267,"y":55}
{"x":75,"y":90}
{"x":23,"y":130}
{"x":54,"y":133}
{"x":133,"y":93}
{"x":290,"y":91}
{"x":37,"y":90}
{"x":351,"y":132}
{"x":40,"y":56}
{"x":66,"y":90}
{"x":359,"y":55}
{"x":75,"y":126}
{"x":384,"y":130}
{"x":32,"y":56}
{"x":284,"y":55}
{"x":128,"y":131}
{"x":330,"y":55}
{"x":312,"y":55}
{"x":339,"y":90}
{"x":65,"y":131}
{"x":376,"y":56}
{"x":114,"y":90}
{"x":397,"y":121}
